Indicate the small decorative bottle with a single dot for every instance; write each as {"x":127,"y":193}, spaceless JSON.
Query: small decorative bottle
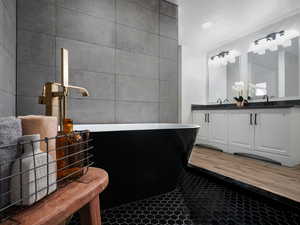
{"x":69,"y":152}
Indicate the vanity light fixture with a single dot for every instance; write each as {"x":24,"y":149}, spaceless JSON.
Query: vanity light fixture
{"x":273,"y":40}
{"x":223,"y":58}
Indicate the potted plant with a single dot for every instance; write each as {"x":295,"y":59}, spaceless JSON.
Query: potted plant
{"x":239,"y":88}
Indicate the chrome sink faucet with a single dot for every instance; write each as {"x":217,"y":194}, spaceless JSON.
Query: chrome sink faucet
{"x":219,"y":101}
{"x":226,"y":100}
{"x":266,"y":97}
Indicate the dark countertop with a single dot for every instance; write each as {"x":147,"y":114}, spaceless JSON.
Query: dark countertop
{"x":256,"y":105}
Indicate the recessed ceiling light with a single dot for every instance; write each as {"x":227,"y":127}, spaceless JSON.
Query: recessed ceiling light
{"x":207,"y":25}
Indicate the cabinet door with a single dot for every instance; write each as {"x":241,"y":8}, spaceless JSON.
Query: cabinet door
{"x":272,"y":132}
{"x":240,"y":131}
{"x":199,"y":118}
{"x":218,"y":129}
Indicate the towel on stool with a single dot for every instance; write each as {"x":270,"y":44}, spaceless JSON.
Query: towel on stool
{"x":38,"y":177}
{"x":10,"y":132}
{"x":45,"y":126}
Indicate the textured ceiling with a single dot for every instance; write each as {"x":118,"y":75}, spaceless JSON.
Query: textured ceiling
{"x":231,"y":19}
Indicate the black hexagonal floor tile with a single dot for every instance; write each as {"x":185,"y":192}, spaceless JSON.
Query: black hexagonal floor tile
{"x":202,"y":200}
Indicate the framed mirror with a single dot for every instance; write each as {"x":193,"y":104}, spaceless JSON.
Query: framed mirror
{"x":263,"y":74}
{"x":291,"y":69}
{"x":275,"y":73}
{"x":221,"y":78}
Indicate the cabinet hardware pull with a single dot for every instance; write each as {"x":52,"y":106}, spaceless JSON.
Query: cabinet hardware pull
{"x":208,"y":117}
{"x":205,"y":115}
{"x":251,"y":119}
{"x":255,"y":119}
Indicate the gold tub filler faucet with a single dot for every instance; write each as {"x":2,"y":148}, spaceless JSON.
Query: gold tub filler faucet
{"x":69,"y":144}
{"x":55,"y":94}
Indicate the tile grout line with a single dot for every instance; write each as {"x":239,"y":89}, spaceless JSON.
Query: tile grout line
{"x":159,"y":82}
{"x":17,"y":65}
{"x":115,"y":62}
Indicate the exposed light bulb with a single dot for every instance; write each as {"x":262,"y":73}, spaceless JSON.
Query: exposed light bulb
{"x":261,"y":52}
{"x":273,"y":48}
{"x":224,"y":63}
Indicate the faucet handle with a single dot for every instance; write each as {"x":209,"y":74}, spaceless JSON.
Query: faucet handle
{"x":42,"y":100}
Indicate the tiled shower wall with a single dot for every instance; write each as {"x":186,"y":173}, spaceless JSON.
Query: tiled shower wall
{"x":123,"y":51}
{"x":7,"y":57}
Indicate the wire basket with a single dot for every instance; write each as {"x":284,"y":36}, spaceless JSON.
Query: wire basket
{"x":30,"y":174}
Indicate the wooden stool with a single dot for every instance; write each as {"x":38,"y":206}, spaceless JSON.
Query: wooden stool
{"x":82,"y":195}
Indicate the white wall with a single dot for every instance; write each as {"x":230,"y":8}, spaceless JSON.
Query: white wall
{"x":242,"y":44}
{"x":193,"y":81}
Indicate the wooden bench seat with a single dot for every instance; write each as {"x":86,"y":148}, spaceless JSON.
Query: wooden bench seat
{"x":82,"y":195}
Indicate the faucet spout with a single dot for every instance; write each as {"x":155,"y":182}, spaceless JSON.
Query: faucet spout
{"x":266,"y":97}
{"x":84,"y":92}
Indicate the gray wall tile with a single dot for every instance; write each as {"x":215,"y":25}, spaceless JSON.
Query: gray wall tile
{"x":29,"y":106}
{"x":31,"y":79}
{"x":92,"y":111}
{"x":168,"y":69}
{"x":164,"y":91}
{"x":7,"y":57}
{"x":168,"y":9}
{"x":168,"y":27}
{"x":117,"y":52}
{"x":132,"y":14}
{"x":99,"y":85}
{"x":137,"y":41}
{"x":36,"y":48}
{"x":5,"y":74}
{"x":11,"y":6}
{"x":168,"y":113}
{"x":99,"y":8}
{"x":77,"y":26}
{"x":137,"y":112}
{"x":86,"y":57}
{"x":150,"y":4}
{"x":137,"y":89}
{"x":37,"y":16}
{"x":7,"y":104}
{"x":128,"y":63}
{"x":2,"y":31}
{"x":9,"y":36}
{"x":168,"y":48}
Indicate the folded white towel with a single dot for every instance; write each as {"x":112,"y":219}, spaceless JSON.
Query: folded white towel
{"x":34,"y":175}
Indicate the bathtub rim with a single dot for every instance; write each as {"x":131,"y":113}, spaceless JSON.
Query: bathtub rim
{"x":133,"y":127}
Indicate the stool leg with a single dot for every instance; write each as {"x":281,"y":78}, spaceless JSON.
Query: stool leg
{"x":90,"y":213}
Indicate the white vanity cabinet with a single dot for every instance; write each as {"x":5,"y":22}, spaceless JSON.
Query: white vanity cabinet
{"x":240,"y":131}
{"x":217,"y":123}
{"x":201,"y":118}
{"x":213,"y":128}
{"x":270,"y":133}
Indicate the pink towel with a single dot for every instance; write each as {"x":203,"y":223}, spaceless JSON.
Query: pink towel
{"x":46,"y":126}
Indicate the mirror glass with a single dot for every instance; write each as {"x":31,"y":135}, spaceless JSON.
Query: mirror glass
{"x":275,"y":73}
{"x":292,"y":69}
{"x":263,"y":74}
{"x":221,"y":79}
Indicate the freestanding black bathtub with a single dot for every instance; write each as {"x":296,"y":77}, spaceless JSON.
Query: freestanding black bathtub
{"x":142,"y":160}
